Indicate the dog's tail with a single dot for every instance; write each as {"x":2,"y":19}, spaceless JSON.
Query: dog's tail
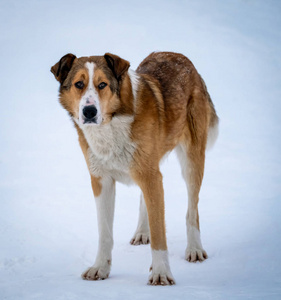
{"x":213,"y":130}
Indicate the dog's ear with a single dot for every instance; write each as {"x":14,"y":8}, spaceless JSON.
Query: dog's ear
{"x":62,"y":68}
{"x":117,"y":64}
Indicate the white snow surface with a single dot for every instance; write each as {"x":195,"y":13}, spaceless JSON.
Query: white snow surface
{"x":48,"y":225}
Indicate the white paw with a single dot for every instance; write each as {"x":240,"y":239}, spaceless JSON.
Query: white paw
{"x":96,"y":273}
{"x":160,"y":269}
{"x":140,"y":238}
{"x":193,"y":254}
{"x":161,"y":278}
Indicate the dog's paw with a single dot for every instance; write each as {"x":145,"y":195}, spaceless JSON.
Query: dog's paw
{"x":193,"y":254}
{"x":164,"y":278}
{"x":140,"y":239}
{"x":97,"y":273}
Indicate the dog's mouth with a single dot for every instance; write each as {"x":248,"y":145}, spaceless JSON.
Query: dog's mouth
{"x":89,"y":121}
{"x":92,"y":122}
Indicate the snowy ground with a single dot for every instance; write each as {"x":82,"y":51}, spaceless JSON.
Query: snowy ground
{"x":48,"y":230}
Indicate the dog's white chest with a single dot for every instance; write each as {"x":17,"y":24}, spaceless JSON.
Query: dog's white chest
{"x":111,"y":148}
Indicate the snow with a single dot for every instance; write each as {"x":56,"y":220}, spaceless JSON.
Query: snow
{"x":48,"y":227}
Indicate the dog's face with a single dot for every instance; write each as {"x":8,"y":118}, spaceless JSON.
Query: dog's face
{"x":90,"y":86}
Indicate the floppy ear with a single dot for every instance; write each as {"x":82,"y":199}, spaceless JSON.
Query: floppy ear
{"x":62,"y":68}
{"x":117,"y":64}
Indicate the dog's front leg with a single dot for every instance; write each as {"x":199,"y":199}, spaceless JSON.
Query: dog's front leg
{"x":152,"y":187}
{"x":104,"y":191}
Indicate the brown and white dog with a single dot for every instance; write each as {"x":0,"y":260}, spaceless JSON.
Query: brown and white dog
{"x":126,"y":122}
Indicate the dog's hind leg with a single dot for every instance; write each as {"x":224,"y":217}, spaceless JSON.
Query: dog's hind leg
{"x":192,"y":160}
{"x":141,"y":235}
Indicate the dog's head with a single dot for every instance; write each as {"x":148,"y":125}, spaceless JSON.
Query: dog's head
{"x":92,"y":88}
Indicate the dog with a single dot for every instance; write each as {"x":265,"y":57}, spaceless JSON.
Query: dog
{"x":126,"y":122}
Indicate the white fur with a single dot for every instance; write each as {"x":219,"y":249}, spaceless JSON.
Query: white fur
{"x":134,"y":78}
{"x":161,"y":268}
{"x":111,"y":148}
{"x":105,"y":203}
{"x":212,"y":136}
{"x":194,"y":250}
{"x":182,"y":156}
{"x":90,"y":66}
{"x":193,"y":237}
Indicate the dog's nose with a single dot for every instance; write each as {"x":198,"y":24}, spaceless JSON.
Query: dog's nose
{"x":89,"y":112}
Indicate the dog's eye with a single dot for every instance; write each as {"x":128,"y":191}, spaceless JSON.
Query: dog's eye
{"x":102,"y":85}
{"x":79,"y":85}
